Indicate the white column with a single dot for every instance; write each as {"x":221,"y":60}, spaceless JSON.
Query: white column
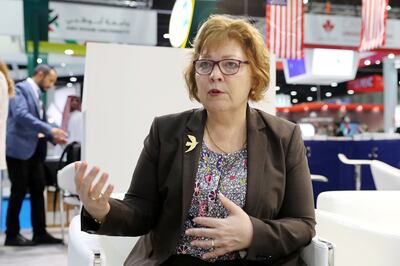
{"x":390,"y":78}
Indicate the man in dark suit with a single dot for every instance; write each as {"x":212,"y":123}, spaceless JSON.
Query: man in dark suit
{"x":27,"y":134}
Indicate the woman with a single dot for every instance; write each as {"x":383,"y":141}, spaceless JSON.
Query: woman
{"x":6,"y":91}
{"x":223,"y":185}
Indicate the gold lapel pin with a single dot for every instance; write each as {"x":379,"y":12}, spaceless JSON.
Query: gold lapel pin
{"x":191,"y":144}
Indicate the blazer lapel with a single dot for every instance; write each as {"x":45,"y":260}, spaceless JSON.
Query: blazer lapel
{"x":35,"y":101}
{"x":193,"y":133}
{"x":257,"y":151}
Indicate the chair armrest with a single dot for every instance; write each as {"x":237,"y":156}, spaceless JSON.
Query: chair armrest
{"x":379,"y":207}
{"x":83,"y":248}
{"x":358,"y":242}
{"x":319,"y":252}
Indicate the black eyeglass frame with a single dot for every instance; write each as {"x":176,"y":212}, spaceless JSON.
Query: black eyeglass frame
{"x":217,"y":62}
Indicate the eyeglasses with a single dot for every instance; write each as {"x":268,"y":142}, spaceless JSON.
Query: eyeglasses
{"x":227,"y":66}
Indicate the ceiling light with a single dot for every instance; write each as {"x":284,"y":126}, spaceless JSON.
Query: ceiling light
{"x":69,"y":52}
{"x":69,"y":85}
{"x":306,"y":108}
{"x":293,"y":93}
{"x":73,"y":79}
{"x":367,"y":62}
{"x":63,"y":64}
{"x":309,"y":98}
{"x":388,"y":7}
{"x":391,"y":56}
{"x":166,"y":35}
{"x":375,"y":109}
{"x":333,"y":84}
{"x":359,"y":108}
{"x":277,"y":88}
{"x":286,"y":110}
{"x":351,"y":92}
{"x":39,"y":60}
{"x":313,"y":89}
{"x":378,"y":62}
{"x":295,"y":100}
{"x":324,"y":107}
{"x":328,"y":94}
{"x":343,"y":108}
{"x":306,"y":2}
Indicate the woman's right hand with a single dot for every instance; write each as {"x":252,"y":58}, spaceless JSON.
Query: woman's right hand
{"x":94,"y":201}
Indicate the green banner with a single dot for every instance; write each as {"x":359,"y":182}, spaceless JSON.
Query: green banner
{"x":202,"y":10}
{"x":36,"y":29}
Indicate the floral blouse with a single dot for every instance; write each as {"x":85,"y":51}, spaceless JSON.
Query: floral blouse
{"x":225,"y":173}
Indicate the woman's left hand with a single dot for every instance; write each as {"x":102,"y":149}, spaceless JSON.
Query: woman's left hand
{"x":232,"y":233}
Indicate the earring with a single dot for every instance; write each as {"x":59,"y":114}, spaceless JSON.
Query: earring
{"x":252,"y":92}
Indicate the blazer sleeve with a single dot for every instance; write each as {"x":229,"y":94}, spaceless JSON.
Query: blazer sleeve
{"x":137,"y":213}
{"x":19,"y":109}
{"x":294,"y":225}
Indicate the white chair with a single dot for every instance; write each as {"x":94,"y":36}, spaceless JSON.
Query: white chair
{"x":363,"y":225}
{"x":357,"y":168}
{"x":83,"y":249}
{"x":386,"y":177}
{"x":68,"y":194}
{"x":91,"y":249}
{"x":319,"y":178}
{"x":319,"y":252}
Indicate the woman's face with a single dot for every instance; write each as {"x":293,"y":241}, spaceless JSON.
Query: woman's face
{"x":220,"y":92}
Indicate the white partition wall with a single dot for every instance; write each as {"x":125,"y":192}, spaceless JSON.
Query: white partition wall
{"x":125,"y":88}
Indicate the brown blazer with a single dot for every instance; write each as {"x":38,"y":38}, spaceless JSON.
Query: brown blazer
{"x":279,"y":197}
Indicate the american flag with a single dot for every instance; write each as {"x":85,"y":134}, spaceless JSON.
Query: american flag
{"x":373,"y":24}
{"x":285,"y":28}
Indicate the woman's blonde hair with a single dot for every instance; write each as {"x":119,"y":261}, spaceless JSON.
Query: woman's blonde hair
{"x":10,"y":82}
{"x":220,"y":28}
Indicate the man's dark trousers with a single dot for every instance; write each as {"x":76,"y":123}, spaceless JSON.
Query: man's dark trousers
{"x":26,"y":176}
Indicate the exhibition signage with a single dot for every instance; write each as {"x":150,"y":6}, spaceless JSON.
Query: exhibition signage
{"x":9,"y":25}
{"x":102,"y":24}
{"x":343,"y":31}
{"x":371,"y":83}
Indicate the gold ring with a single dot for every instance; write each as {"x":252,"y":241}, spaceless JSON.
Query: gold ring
{"x":94,"y":199}
{"x":212,"y":243}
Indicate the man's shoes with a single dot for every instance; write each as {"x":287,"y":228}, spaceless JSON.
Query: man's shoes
{"x":18,"y":240}
{"x":46,"y":238}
